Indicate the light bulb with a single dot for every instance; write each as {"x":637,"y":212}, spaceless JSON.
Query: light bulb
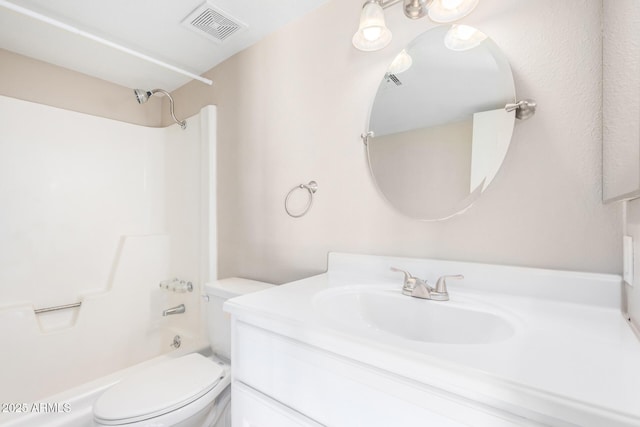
{"x":463,"y":37}
{"x":451,"y":10}
{"x":371,"y":33}
{"x":451,"y":4}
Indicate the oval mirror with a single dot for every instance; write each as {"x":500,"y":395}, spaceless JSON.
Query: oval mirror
{"x":438,"y":129}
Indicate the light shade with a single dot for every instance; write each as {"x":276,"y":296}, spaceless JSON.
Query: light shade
{"x":402,"y":62}
{"x":463,"y":37}
{"x":373,"y":33}
{"x":451,"y":10}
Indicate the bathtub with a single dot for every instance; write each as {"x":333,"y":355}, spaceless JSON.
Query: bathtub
{"x":97,"y":214}
{"x":74,"y":407}
{"x":111,"y":330}
{"x":61,"y":361}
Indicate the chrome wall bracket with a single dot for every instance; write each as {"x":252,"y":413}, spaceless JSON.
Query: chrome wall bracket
{"x":524,"y":109}
{"x":366,"y":136}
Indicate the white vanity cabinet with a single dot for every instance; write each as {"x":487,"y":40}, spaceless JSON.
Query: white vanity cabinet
{"x":513,"y":346}
{"x":279,"y":381}
{"x":253,"y":409}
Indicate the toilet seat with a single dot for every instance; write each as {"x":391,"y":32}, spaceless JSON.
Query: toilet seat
{"x":158,"y":390}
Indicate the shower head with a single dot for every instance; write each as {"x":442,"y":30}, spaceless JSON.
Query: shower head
{"x":143,"y":96}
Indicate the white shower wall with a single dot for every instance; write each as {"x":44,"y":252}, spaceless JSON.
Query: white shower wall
{"x":97,"y":211}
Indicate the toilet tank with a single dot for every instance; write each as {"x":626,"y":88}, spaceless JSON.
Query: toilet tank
{"x":218,"y":322}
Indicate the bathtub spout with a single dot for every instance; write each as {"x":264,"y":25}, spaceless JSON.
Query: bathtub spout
{"x":174,"y":310}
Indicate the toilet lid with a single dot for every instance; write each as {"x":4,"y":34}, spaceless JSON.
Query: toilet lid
{"x":157,"y":390}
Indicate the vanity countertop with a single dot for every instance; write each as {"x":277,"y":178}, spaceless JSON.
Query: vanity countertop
{"x":571,"y":360}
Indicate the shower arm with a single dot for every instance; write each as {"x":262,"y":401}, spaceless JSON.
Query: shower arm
{"x":182,"y":123}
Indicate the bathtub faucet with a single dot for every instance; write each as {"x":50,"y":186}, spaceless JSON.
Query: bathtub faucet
{"x":174,"y":310}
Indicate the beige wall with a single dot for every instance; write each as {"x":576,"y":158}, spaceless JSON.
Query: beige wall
{"x":292,"y":107}
{"x":36,"y":81}
{"x":424,"y":173}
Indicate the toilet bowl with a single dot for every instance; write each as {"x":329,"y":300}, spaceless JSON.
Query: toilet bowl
{"x":188,"y":391}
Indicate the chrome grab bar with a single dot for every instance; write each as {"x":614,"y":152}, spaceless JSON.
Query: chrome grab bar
{"x":56,"y":308}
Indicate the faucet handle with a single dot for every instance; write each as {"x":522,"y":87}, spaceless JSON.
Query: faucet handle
{"x":408,"y":278}
{"x":441,"y":284}
{"x":410,"y":281}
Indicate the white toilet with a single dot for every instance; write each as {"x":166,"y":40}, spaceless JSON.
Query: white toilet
{"x":188,"y":391}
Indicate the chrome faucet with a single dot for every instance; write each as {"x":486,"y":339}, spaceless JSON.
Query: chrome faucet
{"x":418,"y":288}
{"x":174,"y":310}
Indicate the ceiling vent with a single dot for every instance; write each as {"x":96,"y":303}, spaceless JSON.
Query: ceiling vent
{"x":212,"y":23}
{"x":389,"y":77}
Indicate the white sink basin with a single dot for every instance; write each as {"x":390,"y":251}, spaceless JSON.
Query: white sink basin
{"x":460,"y":321}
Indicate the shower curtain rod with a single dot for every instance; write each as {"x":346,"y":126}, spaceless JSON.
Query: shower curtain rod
{"x":43,"y":18}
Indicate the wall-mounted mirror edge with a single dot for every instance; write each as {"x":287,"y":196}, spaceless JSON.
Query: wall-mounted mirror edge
{"x":441,"y":122}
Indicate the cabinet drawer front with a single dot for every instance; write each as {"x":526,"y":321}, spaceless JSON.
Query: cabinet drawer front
{"x":336,"y":391}
{"x":253,"y":409}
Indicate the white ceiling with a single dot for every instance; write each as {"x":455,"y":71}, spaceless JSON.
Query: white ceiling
{"x":442,"y":86}
{"x":151,"y":27}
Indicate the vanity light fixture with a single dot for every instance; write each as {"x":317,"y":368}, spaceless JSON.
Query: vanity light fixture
{"x":373,"y":33}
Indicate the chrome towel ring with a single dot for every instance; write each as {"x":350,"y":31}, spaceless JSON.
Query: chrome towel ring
{"x":311,"y":187}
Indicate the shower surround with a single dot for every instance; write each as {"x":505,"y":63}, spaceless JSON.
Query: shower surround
{"x":99,"y":212}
